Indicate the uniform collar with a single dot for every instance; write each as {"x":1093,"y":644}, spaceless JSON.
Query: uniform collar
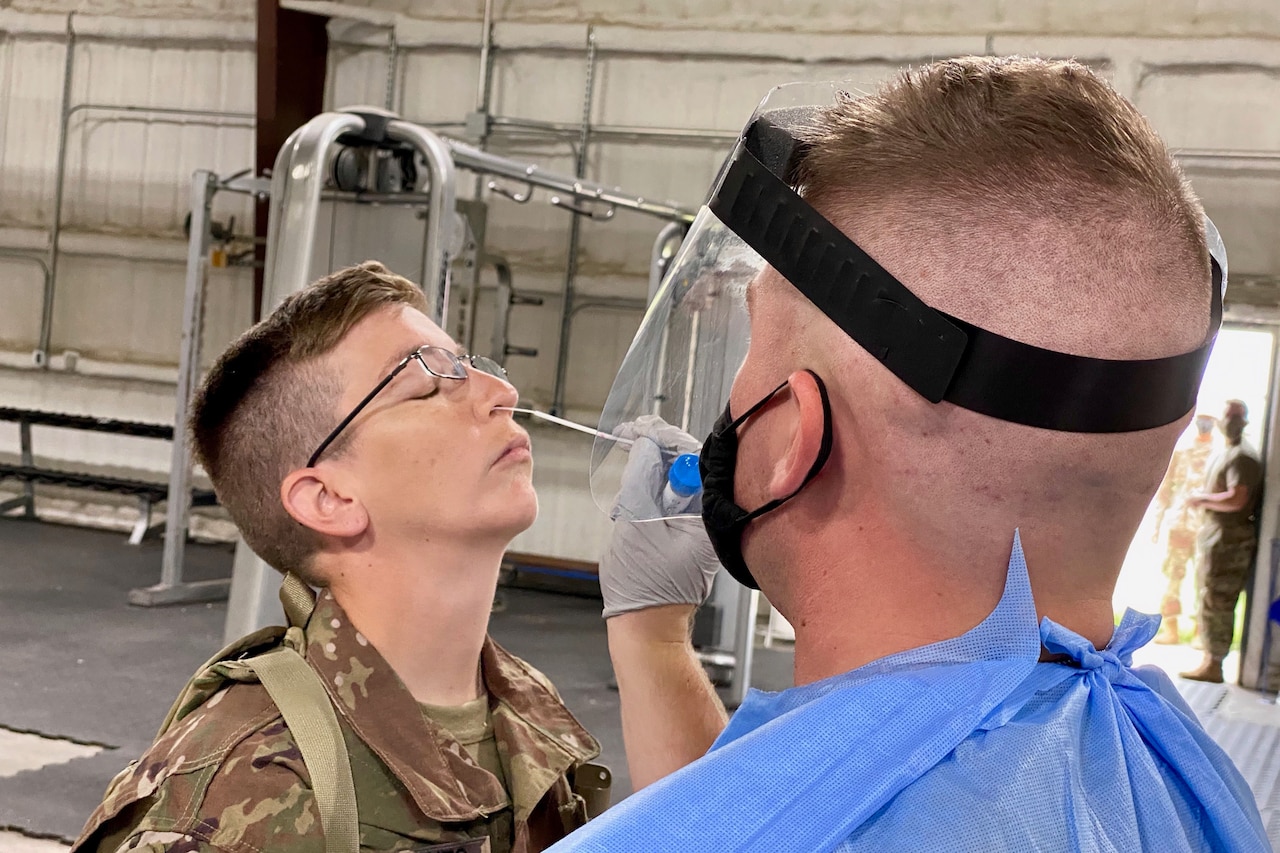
{"x":444,"y":782}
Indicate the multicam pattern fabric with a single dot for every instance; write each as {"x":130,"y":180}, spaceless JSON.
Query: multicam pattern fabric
{"x":1178,"y":521}
{"x":1225,"y":560}
{"x":1227,"y":544}
{"x":228,"y":776}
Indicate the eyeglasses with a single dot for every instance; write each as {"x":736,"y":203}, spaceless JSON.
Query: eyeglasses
{"x":438,"y":362}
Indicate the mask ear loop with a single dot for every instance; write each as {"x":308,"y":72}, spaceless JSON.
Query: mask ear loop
{"x":824,"y":450}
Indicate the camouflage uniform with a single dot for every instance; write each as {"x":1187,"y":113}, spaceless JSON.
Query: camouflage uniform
{"x":229,"y":776}
{"x":1227,"y":543}
{"x":1180,"y":522}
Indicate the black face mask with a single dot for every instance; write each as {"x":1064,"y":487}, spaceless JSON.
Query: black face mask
{"x":718,"y":461}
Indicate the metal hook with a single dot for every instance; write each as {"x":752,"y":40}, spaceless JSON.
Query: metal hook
{"x":591,"y":212}
{"x":514,"y":196}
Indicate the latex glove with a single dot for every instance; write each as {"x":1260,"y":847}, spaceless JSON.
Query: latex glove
{"x":657,"y":444}
{"x":653,"y":563}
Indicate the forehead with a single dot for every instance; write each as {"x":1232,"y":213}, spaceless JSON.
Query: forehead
{"x":379,"y":341}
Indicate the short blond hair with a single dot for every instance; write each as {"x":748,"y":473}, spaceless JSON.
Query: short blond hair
{"x":995,"y":138}
{"x":264,"y":406}
{"x":979,"y":125}
{"x":1030,"y":198}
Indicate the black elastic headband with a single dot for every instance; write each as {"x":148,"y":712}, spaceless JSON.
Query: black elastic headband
{"x":937,"y":355}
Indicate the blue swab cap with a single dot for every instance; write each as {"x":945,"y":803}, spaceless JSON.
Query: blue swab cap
{"x":683,"y":475}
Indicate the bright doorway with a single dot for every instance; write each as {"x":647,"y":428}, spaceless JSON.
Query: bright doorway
{"x":1240,"y":368}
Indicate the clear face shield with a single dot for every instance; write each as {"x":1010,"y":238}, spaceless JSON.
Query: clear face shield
{"x":675,"y":380}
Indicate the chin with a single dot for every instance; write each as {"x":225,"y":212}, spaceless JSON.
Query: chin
{"x":521,"y":511}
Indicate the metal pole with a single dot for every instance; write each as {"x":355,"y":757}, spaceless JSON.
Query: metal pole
{"x":164,"y":111}
{"x":442,"y":238}
{"x":55,"y":234}
{"x":484,"y":86}
{"x":39,"y":356}
{"x":744,"y":643}
{"x":484,"y":92}
{"x":575,"y":227}
{"x":393,"y":51}
{"x":664,"y":249}
{"x":171,"y":588}
{"x":501,"y":313}
{"x":28,"y":461}
{"x":622,"y":132}
{"x":470,"y":157}
{"x":296,"y":180}
{"x":1253,"y":664}
{"x":179,"y":503}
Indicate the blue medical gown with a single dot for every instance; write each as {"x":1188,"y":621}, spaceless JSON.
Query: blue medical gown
{"x":969,"y":744}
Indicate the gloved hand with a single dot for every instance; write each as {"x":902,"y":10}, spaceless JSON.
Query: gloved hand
{"x":660,"y":562}
{"x":653,"y":563}
{"x":656,"y":445}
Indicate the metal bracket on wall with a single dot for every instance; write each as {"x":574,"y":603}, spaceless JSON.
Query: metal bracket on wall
{"x":507,"y":298}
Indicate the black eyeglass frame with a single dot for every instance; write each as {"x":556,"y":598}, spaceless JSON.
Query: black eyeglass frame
{"x":459,"y":375}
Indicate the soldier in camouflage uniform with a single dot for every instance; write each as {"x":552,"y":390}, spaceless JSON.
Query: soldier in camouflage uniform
{"x":1178,"y":522}
{"x":454,"y":744}
{"x":1228,"y":540}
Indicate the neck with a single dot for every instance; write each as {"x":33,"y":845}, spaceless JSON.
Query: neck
{"x":847,"y":613}
{"x":425,"y":609}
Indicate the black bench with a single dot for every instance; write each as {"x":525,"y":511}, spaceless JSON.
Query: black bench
{"x":28,"y":473}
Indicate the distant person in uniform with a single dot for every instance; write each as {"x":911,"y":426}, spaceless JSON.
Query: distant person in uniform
{"x":360,"y":451}
{"x":1178,"y":522}
{"x":1228,"y":539}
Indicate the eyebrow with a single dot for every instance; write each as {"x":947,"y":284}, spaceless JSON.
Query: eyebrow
{"x":391,"y":363}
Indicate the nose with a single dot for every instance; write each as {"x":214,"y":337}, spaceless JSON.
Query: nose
{"x":491,"y":391}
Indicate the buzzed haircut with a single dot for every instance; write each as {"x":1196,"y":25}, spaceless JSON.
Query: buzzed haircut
{"x":982,"y":128}
{"x":1030,"y":198}
{"x":986,"y":142}
{"x":266,"y":404}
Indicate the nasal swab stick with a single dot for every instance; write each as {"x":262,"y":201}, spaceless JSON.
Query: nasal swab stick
{"x":623,"y":442}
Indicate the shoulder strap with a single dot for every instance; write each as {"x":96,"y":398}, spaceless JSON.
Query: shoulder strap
{"x":308,"y":712}
{"x":297,"y":692}
{"x":207,"y":680}
{"x":298,"y":599}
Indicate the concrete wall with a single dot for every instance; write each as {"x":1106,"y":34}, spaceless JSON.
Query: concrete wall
{"x":1208,"y":75}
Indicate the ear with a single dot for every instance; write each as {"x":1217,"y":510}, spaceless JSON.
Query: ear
{"x":317,"y":499}
{"x":808,"y":423}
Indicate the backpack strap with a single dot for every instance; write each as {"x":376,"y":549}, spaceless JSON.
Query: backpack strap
{"x":208,"y":679}
{"x":300,"y":696}
{"x":299,"y":600}
{"x":308,"y":712}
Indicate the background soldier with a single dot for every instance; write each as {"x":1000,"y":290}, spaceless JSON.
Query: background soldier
{"x":1228,"y":539}
{"x":1178,"y":521}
